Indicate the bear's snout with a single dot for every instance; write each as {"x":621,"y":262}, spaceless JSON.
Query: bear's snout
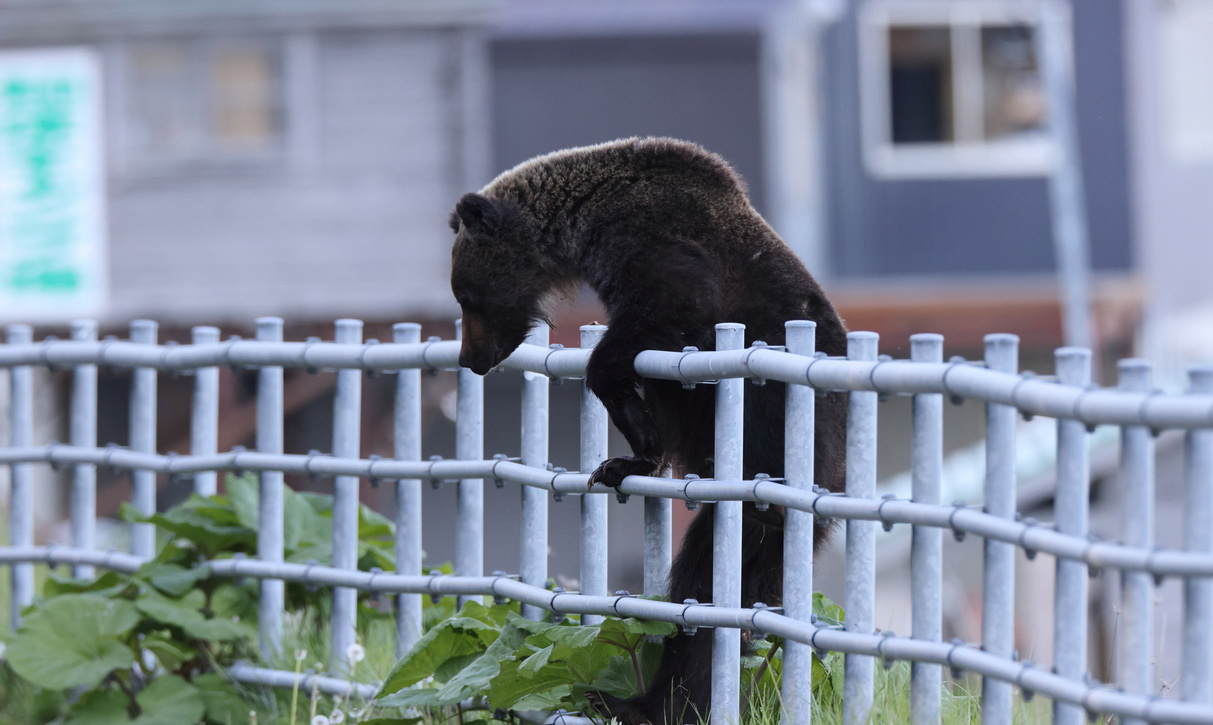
{"x":479,"y":361}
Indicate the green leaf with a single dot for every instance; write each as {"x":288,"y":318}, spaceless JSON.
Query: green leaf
{"x":172,"y":579}
{"x":170,"y":652}
{"x":73,"y":640}
{"x":242,"y":495}
{"x":106,"y":584}
{"x":417,"y":697}
{"x":453,"y":638}
{"x":208,"y":535}
{"x":476,"y":676}
{"x":828,"y":613}
{"x":537,"y":660}
{"x":618,"y":677}
{"x":185,"y":614}
{"x":170,"y":700}
{"x":546,"y":700}
{"x":224,"y":706}
{"x":100,"y":707}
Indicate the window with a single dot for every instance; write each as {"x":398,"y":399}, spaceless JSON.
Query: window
{"x":193,"y":100}
{"x":952,"y":89}
{"x":1186,"y":55}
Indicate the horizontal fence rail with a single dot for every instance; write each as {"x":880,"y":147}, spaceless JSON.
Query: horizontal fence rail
{"x":1134,"y":407}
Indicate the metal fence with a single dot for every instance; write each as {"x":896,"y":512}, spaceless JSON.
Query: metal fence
{"x":1137,"y":410}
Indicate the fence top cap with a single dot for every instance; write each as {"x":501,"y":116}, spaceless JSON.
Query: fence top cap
{"x":1001,"y":338}
{"x":800,"y":323}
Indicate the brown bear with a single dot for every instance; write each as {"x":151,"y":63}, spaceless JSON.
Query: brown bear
{"x":664,"y":232}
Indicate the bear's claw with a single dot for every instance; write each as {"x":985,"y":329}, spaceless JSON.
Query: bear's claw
{"x":612,"y":471}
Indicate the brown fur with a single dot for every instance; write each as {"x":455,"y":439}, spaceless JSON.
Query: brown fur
{"x":665,"y":234}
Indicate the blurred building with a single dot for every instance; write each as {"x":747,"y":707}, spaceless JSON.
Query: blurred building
{"x":300,"y":159}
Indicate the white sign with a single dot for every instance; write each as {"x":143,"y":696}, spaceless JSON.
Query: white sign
{"x":52,"y":186}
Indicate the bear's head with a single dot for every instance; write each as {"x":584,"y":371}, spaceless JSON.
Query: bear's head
{"x":497,"y":278}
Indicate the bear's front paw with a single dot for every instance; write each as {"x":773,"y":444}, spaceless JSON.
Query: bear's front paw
{"x":612,"y":471}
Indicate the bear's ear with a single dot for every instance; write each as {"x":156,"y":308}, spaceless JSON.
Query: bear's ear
{"x":454,"y":222}
{"x":477,"y":213}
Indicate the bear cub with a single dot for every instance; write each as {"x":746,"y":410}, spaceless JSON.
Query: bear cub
{"x":665,"y":234}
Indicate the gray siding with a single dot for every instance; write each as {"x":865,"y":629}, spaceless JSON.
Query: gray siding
{"x":550,"y":94}
{"x":951,"y":227}
{"x":359,"y":231}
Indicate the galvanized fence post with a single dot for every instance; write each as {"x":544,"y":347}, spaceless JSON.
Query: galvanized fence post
{"x":726,"y":561}
{"x":998,"y":573}
{"x":1071,"y":514}
{"x":797,"y":690}
{"x":21,"y":498}
{"x":926,"y":545}
{"x":270,"y":516}
{"x":534,"y":553}
{"x":658,"y":543}
{"x":1196,"y":679}
{"x":594,"y":526}
{"x":469,"y":446}
{"x":407,"y":447}
{"x":347,"y":434}
{"x":83,"y":501}
{"x":143,"y":440}
{"x":1136,"y":480}
{"x":204,"y":414}
{"x":860,"y":592}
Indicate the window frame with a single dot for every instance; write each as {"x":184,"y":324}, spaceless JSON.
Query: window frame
{"x":204,"y":151}
{"x":968,"y":155}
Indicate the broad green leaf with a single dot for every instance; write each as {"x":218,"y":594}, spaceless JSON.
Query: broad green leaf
{"x":73,"y":640}
{"x":574,"y":637}
{"x":170,"y":652}
{"x":170,"y":700}
{"x":235,"y":600}
{"x":453,"y":638}
{"x":185,"y":614}
{"x":618,"y":677}
{"x":828,"y":613}
{"x":539,"y":659}
{"x":172,"y":579}
{"x":224,"y":706}
{"x":547,"y":700}
{"x":105,"y":584}
{"x":476,"y":676}
{"x":417,"y":697}
{"x":394,"y":720}
{"x":243,"y":496}
{"x":209,"y":536}
{"x":512,"y":684}
{"x":374,"y":525}
{"x":100,"y":707}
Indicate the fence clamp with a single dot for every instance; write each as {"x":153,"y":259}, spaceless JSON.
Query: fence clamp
{"x":690,"y":629}
{"x":557,"y":617}
{"x":556,"y":471}
{"x":885,"y":660}
{"x":885,"y":523}
{"x":497,"y":480}
{"x":1024,"y":667}
{"x":1028,"y":523}
{"x":688,"y":479}
{"x":435,"y":482}
{"x":307,"y":575}
{"x":375,"y":481}
{"x":497,"y":598}
{"x":435,"y":597}
{"x":957,"y":505}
